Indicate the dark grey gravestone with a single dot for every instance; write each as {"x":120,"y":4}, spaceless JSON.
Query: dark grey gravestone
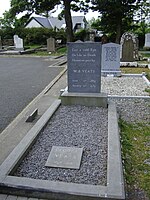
{"x":111,"y":59}
{"x":0,"y":43}
{"x":65,"y":157}
{"x":129,"y":47}
{"x":84,"y":67}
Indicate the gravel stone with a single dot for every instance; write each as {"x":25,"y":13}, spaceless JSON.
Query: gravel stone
{"x":133,"y":110}
{"x":124,"y":86}
{"x":71,"y":126}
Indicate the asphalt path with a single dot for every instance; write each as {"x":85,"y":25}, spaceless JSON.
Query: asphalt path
{"x":21,"y":80}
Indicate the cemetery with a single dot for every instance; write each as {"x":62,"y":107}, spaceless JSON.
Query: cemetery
{"x":73,"y":151}
{"x":75,"y":100}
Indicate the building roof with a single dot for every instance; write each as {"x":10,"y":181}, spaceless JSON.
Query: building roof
{"x":53,"y":22}
{"x":43,"y":21}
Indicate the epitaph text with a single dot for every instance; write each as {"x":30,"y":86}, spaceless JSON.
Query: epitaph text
{"x":84,"y":67}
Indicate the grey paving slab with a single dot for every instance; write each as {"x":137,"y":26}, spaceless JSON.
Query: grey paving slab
{"x":11,"y":197}
{"x":22,"y":198}
{"x":3,"y":196}
{"x":65,"y":157}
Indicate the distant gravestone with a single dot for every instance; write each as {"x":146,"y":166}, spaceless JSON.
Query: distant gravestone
{"x":111,"y":59}
{"x":84,"y":67}
{"x":129,"y":47}
{"x":147,"y":40}
{"x":18,"y":42}
{"x":104,"y":39}
{"x":0,"y":43}
{"x":92,"y":35}
{"x":51,"y":44}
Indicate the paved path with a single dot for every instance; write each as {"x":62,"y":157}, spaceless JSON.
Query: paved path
{"x":18,"y":128}
{"x":11,"y":197}
{"x":21,"y":80}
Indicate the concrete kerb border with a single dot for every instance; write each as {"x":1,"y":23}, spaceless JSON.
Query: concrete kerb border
{"x":143,"y":75}
{"x":62,"y":190}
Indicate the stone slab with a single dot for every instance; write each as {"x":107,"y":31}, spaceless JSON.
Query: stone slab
{"x":114,"y":73}
{"x":86,"y":99}
{"x":65,"y":157}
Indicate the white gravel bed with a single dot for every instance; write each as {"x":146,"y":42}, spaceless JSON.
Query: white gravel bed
{"x":71,"y":126}
{"x":133,"y":110}
{"x":124,"y":86}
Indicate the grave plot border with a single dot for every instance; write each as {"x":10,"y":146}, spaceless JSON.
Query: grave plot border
{"x":62,"y":190}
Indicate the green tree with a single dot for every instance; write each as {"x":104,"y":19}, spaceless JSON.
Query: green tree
{"x":10,"y":21}
{"x":117,"y":15}
{"x":42,"y":7}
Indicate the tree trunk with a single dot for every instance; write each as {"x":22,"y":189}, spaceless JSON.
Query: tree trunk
{"x":118,"y":33}
{"x":68,"y":20}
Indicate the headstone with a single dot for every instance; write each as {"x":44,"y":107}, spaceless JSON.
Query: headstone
{"x":104,"y":39}
{"x":92,"y":35}
{"x":147,"y":40}
{"x":84,"y":67}
{"x":129,"y":47}
{"x":8,"y":42}
{"x":18,"y":42}
{"x":51,"y":44}
{"x":111,"y":59}
{"x":0,"y":43}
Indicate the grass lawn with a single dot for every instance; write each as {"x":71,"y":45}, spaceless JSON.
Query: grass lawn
{"x":59,"y":52}
{"x":135,"y":139}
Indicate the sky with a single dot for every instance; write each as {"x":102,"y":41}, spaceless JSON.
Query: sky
{"x":5,"y":5}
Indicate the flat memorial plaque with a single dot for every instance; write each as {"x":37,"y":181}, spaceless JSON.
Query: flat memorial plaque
{"x":65,"y":157}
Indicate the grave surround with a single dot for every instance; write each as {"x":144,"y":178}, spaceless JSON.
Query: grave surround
{"x":62,"y":190}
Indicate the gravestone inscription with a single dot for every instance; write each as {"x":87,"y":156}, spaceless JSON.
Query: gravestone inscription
{"x":84,"y":67}
{"x":111,"y":59}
